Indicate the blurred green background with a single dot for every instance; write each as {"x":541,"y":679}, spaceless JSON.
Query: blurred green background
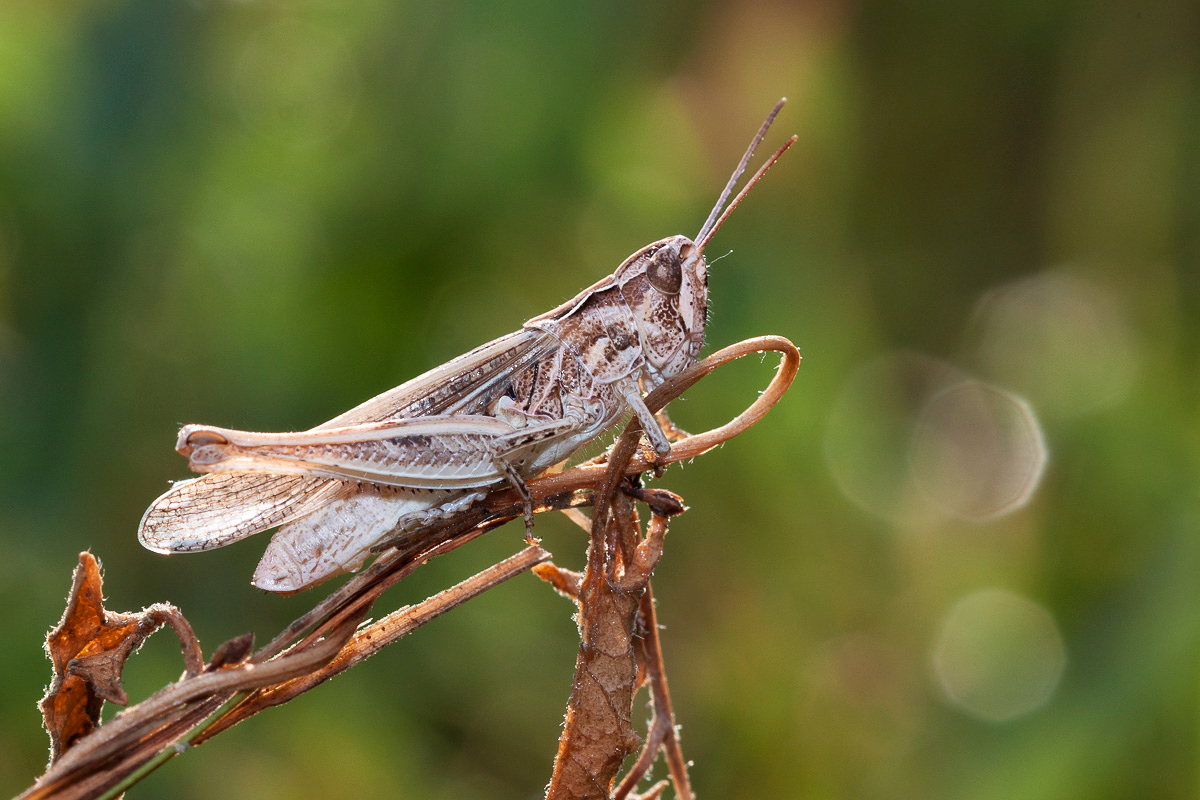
{"x":959,"y":561}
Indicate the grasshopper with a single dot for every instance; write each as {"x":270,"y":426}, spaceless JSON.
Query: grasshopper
{"x":425,"y":450}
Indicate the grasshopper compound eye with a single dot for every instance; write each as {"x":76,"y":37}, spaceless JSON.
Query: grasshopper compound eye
{"x":664,"y":271}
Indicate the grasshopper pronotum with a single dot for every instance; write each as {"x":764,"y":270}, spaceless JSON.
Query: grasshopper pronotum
{"x":505,"y":411}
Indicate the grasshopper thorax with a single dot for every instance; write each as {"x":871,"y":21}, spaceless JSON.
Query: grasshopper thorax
{"x":646,"y":319}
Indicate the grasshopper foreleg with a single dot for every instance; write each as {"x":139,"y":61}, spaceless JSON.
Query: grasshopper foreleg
{"x":632,"y":395}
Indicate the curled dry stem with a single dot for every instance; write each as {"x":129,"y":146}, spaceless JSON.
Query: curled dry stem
{"x":614,"y":592}
{"x":624,"y":458}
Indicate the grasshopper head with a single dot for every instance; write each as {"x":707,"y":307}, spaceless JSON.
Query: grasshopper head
{"x":666,"y":287}
{"x":671,"y":307}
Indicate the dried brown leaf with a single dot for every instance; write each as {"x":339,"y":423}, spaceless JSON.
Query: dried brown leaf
{"x":87,"y":649}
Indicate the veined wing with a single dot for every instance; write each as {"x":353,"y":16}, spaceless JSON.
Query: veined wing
{"x":220,"y":508}
{"x":463,"y":385}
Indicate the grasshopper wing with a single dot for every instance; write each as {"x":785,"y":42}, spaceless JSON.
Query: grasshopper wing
{"x":220,"y":508}
{"x":223,"y":507}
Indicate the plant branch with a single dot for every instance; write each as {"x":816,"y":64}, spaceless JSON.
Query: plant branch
{"x":369,"y":640}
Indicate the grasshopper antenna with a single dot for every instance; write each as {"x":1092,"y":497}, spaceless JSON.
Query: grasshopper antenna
{"x":741,"y":167}
{"x":745,"y":190}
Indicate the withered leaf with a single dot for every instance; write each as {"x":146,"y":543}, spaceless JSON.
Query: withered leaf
{"x":87,"y":649}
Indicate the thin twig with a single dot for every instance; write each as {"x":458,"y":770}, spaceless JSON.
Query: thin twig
{"x":663,"y":731}
{"x":371,"y":639}
{"x":167,"y":753}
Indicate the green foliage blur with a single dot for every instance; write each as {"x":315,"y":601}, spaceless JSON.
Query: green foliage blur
{"x":258,"y":214}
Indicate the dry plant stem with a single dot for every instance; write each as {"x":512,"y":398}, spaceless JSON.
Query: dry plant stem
{"x":374,"y":637}
{"x":228,"y":681}
{"x":130,"y":761}
{"x":119,"y":739}
{"x":663,"y":732}
{"x":598,"y":733}
{"x":165,"y":754}
{"x":393,"y":565}
{"x":120,"y":751}
{"x":664,"y":714}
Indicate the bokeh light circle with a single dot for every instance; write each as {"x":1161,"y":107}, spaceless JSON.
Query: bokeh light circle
{"x":999,"y":655}
{"x":977,"y":451}
{"x":870,"y":428}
